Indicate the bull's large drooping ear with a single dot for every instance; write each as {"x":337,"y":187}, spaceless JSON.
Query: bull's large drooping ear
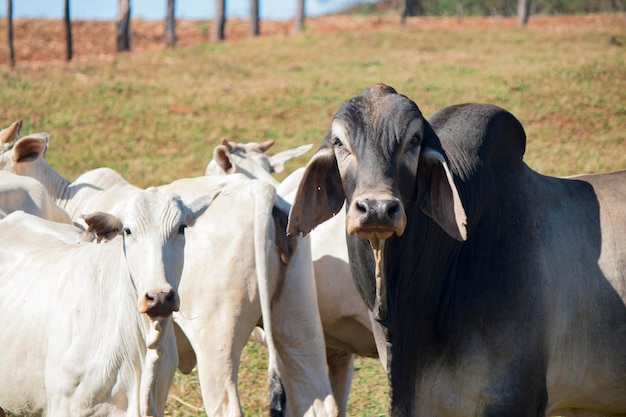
{"x":277,"y":162}
{"x":30,"y":148}
{"x":319,"y":196}
{"x":437,"y":195}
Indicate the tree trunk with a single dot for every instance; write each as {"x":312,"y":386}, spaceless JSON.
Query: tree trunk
{"x":523,"y":12}
{"x":410,"y":8}
{"x":254,"y":18}
{"x":219,"y":20}
{"x":170,"y":25}
{"x":10,"y":32}
{"x":68,"y":32}
{"x":299,"y":20}
{"x":404,"y":7}
{"x":123,"y":26}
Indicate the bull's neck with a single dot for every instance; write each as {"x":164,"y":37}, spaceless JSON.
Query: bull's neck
{"x":418,"y":270}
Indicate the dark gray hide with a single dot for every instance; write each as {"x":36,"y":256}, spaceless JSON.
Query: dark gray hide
{"x":525,"y":317}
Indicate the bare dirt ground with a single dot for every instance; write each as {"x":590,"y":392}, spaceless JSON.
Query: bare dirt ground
{"x":42,"y":41}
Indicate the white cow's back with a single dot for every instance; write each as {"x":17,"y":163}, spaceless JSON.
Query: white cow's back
{"x":24,"y":193}
{"x":220,"y":297}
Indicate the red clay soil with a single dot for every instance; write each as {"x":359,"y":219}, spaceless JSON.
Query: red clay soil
{"x":40,"y":40}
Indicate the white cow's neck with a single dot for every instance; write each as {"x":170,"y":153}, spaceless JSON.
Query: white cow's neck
{"x":56,"y":185}
{"x":120,"y":322}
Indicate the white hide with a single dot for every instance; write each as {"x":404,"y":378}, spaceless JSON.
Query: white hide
{"x":222,"y":300}
{"x":74,"y":342}
{"x":29,"y":195}
{"x":344,"y":316}
{"x":100,"y":189}
{"x":23,"y":193}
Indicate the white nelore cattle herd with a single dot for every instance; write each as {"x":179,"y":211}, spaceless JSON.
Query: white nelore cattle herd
{"x":485,"y":288}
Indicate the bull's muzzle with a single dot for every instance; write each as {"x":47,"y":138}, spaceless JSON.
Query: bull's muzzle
{"x":376,"y":218}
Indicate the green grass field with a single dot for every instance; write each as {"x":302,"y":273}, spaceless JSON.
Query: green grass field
{"x":567,"y":85}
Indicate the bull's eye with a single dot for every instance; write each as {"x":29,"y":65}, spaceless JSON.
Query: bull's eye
{"x":337,"y":142}
{"x":127,"y":231}
{"x":414,"y":142}
{"x":181,"y":229}
{"x":416,"y":131}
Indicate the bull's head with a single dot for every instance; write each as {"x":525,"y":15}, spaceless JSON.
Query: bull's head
{"x":379,"y":156}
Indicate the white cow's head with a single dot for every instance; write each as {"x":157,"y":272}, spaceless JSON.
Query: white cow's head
{"x":16,"y":153}
{"x":251,"y":159}
{"x":152,"y":227}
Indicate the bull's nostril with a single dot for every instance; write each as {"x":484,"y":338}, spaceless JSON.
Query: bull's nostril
{"x":171,"y":297}
{"x":149,"y":297}
{"x":393,"y":210}
{"x":362,"y":206}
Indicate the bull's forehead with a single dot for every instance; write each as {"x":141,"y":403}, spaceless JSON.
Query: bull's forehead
{"x":153,"y":208}
{"x":380,"y":117}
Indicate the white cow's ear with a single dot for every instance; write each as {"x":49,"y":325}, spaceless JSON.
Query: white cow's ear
{"x":102,"y":225}
{"x":9,"y":136}
{"x":198,"y":206}
{"x":221,"y":156}
{"x":265,"y":146}
{"x":30,"y":148}
{"x":277,"y":162}
{"x":438,"y":196}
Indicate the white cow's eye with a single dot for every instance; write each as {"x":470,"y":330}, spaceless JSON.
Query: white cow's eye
{"x":127,"y":231}
{"x":181,"y":229}
{"x":337,"y":142}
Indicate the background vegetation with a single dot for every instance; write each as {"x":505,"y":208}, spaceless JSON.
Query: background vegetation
{"x":500,"y":7}
{"x":156,"y":116}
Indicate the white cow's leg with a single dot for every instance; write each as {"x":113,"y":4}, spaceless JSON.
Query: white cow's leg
{"x":218,"y":356}
{"x":166,"y":365}
{"x":340,"y":370}
{"x":218,"y":383}
{"x":300,"y":340}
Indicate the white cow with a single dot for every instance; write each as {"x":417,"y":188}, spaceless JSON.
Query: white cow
{"x":86,"y":322}
{"x":29,"y":195}
{"x":345,"y":317}
{"x":299,"y":347}
{"x":22,"y":193}
{"x":253,"y":263}
{"x":100,"y":189}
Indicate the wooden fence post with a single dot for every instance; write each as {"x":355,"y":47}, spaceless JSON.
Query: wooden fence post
{"x":123,"y":26}
{"x":170,"y":25}
{"x":68,"y":32}
{"x":10,"y":32}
